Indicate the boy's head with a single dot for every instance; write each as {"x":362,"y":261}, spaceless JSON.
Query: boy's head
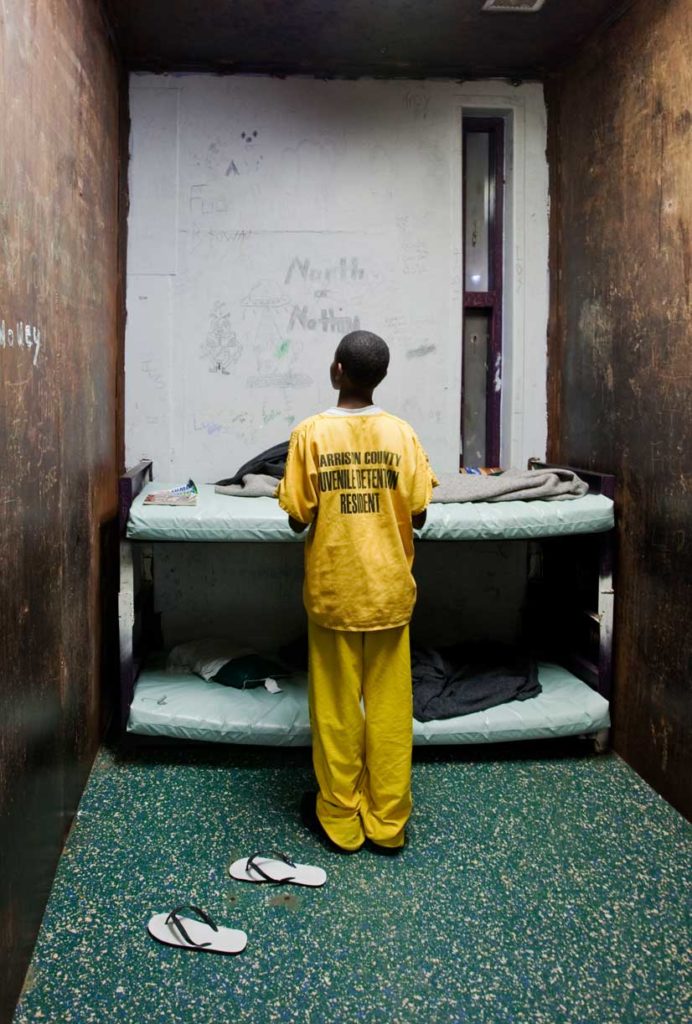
{"x":362,"y":358}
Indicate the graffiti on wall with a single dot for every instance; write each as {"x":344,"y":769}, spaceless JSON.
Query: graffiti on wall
{"x":21,"y":335}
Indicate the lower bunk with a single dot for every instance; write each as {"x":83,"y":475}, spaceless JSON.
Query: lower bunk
{"x":190,"y":708}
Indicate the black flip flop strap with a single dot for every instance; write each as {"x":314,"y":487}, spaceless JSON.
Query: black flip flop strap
{"x":252,"y":866}
{"x":175,"y":920}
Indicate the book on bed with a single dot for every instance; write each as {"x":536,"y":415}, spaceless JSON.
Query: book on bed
{"x":185,"y":494}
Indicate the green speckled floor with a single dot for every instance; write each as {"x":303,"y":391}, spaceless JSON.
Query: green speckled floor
{"x":533,"y":890}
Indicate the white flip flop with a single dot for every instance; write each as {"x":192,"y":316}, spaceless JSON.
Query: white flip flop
{"x":275,"y":869}
{"x":203,"y":936}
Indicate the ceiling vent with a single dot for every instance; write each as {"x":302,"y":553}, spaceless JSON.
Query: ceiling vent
{"x":513,"y":6}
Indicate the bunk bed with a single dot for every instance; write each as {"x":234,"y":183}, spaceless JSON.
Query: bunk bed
{"x":568,"y":618}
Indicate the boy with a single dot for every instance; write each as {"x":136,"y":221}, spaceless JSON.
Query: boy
{"x":359,"y":478}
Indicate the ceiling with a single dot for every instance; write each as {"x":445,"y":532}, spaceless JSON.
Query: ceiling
{"x":347,"y":38}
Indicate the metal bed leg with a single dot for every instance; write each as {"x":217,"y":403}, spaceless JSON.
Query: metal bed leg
{"x":126,"y":624}
{"x":601,"y":741}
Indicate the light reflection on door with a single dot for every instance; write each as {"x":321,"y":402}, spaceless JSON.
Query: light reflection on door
{"x":483,"y":198}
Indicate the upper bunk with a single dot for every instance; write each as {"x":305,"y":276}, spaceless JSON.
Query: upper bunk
{"x":225,"y":518}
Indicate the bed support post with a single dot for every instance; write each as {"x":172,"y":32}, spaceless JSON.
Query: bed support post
{"x":135,"y":591}
{"x":587,"y":610}
{"x":129,"y":486}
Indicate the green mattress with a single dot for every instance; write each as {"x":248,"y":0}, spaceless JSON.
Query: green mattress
{"x":187,"y":707}
{"x":219,"y":517}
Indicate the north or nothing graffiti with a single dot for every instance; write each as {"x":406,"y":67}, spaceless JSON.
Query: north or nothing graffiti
{"x":344,"y":270}
{"x":328,"y":320}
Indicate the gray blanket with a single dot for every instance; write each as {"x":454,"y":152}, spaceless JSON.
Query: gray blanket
{"x":254,"y":485}
{"x":512,"y":485}
{"x":469,"y":677}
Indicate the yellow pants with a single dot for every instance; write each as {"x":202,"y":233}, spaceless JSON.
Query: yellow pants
{"x":361,"y":752}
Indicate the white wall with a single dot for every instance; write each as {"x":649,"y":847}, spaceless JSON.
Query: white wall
{"x":248,"y":260}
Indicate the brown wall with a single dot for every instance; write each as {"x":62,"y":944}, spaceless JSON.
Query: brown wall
{"x":620,"y":351}
{"x":58,"y":461}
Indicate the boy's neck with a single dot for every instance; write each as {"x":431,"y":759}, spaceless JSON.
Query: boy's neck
{"x":354,"y":398}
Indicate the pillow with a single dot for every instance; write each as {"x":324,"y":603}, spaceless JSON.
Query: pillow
{"x":205,"y":657}
{"x":248,"y":671}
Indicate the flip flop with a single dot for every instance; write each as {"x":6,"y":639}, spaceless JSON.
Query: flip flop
{"x":203,"y":936}
{"x":275,"y":869}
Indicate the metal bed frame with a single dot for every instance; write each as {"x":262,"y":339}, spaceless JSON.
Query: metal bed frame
{"x":569,"y":611}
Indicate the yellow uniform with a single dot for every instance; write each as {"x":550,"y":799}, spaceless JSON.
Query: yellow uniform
{"x":358,"y":476}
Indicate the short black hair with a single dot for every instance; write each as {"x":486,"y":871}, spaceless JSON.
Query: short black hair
{"x":364,"y":357}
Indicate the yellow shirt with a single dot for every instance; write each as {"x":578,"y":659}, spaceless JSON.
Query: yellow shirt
{"x":357,"y":477}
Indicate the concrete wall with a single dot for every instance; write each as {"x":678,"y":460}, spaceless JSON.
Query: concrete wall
{"x":58,"y":357}
{"x":268,"y":217}
{"x":621,"y":351}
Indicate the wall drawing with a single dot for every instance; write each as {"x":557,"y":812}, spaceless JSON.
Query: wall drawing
{"x":221,"y":347}
{"x":247,"y":160}
{"x":266,"y":304}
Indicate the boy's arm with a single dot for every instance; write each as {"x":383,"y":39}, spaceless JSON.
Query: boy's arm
{"x":297,"y":492}
{"x":296,"y":525}
{"x":424,"y":481}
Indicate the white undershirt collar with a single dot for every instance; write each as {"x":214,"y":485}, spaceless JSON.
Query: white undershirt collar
{"x":368,"y":410}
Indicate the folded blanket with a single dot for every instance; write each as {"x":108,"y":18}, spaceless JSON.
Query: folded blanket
{"x":467,"y":678}
{"x":512,"y":485}
{"x":254,"y":485}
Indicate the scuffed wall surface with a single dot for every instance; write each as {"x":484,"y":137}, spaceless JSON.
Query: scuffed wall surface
{"x":58,"y":355}
{"x":620,"y":352}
